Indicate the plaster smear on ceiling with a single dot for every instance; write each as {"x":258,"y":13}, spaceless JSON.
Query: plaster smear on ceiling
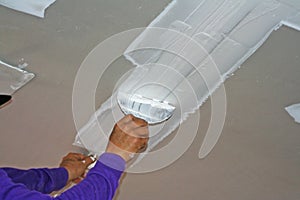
{"x":294,"y":111}
{"x":185,"y":54}
{"x":12,"y":78}
{"x":32,"y":7}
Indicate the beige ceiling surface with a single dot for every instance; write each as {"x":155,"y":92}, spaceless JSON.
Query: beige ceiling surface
{"x":257,"y":156}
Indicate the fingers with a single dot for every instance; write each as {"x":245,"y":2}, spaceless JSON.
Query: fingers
{"x":133,"y":126}
{"x":74,"y":156}
{"x":139,"y":122}
{"x":87,"y":161}
{"x":134,"y":131}
{"x":76,"y":165}
{"x":143,"y":148}
{"x":141,"y":132}
{"x":129,"y":119}
{"x":130,"y":135}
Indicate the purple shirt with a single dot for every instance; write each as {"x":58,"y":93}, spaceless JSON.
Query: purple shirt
{"x":100,"y":183}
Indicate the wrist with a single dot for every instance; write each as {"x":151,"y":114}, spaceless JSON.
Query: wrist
{"x":125,"y":155}
{"x":113,"y":161}
{"x":70,"y":178}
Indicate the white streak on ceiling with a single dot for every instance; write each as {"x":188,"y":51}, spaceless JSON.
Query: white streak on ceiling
{"x":228,"y":32}
{"x":32,"y":7}
{"x":294,"y":111}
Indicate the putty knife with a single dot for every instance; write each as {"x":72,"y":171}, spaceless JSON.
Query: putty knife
{"x":151,"y":110}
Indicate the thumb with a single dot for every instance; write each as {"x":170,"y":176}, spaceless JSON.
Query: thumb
{"x":87,"y":161}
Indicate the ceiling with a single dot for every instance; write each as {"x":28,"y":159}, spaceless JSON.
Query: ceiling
{"x":257,"y":156}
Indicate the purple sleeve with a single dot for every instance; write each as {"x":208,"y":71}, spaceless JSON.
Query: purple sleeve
{"x":41,"y":180}
{"x":101,"y":183}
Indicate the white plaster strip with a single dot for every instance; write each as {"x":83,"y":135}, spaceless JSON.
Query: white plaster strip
{"x":12,"y":78}
{"x":213,"y":36}
{"x":32,"y":7}
{"x":294,"y":111}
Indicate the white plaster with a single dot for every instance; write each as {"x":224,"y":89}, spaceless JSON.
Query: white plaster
{"x":12,"y":78}
{"x":32,"y":7}
{"x":213,"y":36}
{"x":294,"y":111}
{"x":151,"y":110}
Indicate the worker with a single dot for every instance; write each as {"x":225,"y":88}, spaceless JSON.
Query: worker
{"x":129,"y":136}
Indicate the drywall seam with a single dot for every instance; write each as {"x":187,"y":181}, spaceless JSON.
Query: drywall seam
{"x":226,"y":42}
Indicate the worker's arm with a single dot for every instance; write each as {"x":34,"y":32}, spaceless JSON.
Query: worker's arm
{"x":101,"y":183}
{"x":42,"y":180}
{"x":130,"y":135}
{"x":48,"y":180}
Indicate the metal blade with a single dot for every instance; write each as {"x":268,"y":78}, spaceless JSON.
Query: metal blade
{"x":151,"y":110}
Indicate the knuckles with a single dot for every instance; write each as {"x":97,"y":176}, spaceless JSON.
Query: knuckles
{"x":131,"y":134}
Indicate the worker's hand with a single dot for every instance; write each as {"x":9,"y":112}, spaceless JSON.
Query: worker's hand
{"x":129,"y":136}
{"x":75,"y":164}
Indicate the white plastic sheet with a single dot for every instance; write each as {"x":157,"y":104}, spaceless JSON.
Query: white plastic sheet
{"x":200,"y":43}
